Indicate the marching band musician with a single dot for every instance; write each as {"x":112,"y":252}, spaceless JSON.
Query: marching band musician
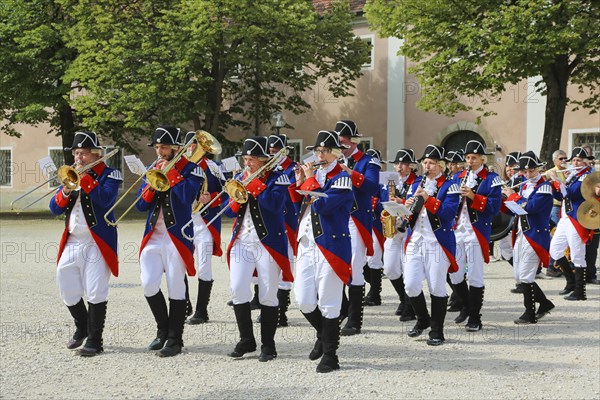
{"x":323,"y":265}
{"x":258,"y":243}
{"x":481,"y":199}
{"x":163,"y":248}
{"x":207,"y":238}
{"x":513,"y":176}
{"x":569,"y":232}
{"x":364,"y":171}
{"x":286,"y":166}
{"x":531,"y":235}
{"x":87,"y":252}
{"x":374,"y":266}
{"x":394,"y":259}
{"x":430,"y":245}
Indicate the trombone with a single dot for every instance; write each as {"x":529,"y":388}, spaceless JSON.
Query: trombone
{"x":236,"y":189}
{"x":157,"y":179}
{"x":69,"y":176}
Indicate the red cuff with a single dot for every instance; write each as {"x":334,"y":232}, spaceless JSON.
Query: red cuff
{"x":61,"y":199}
{"x":357,"y":179}
{"x":513,"y":197}
{"x":310,"y":184}
{"x":218,"y":202}
{"x":235,"y":206}
{"x":432,"y":204}
{"x":556,"y":185}
{"x":88,"y":183}
{"x":148,"y":195}
{"x":174,"y":177}
{"x":294,"y":195}
{"x":256,"y":187}
{"x":479,"y":202}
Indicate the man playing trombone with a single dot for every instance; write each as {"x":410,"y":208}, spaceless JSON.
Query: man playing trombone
{"x":163,"y":248}
{"x":88,"y":248}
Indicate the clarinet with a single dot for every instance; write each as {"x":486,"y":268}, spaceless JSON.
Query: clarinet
{"x":415,"y":207}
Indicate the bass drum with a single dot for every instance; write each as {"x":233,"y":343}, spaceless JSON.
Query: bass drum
{"x":502,"y":224}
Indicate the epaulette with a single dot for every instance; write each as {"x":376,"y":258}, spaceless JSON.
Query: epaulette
{"x":199,"y":172}
{"x":545,"y":189}
{"x":454,"y":189}
{"x":375,"y":161}
{"x":116,"y":175}
{"x":283,"y":180}
{"x":497,"y":181}
{"x":344,"y":183}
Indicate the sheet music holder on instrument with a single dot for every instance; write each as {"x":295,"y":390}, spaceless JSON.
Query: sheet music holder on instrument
{"x":396,"y":209}
{"x":515,"y":208}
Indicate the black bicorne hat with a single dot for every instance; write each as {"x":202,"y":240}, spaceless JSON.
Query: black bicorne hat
{"x":455,"y":156}
{"x":476,"y":147}
{"x":255,"y":146}
{"x":328,"y":139}
{"x":433,"y":152}
{"x":85,"y":140}
{"x":375,"y":154}
{"x":347,"y":128}
{"x":166,"y":135}
{"x":189,"y":136}
{"x":277,"y":141}
{"x":581,"y":153}
{"x":404,"y":156}
{"x":512,"y":158}
{"x":529,"y":160}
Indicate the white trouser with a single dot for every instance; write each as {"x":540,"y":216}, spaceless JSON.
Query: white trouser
{"x":393,"y":256}
{"x":376,"y":260}
{"x":359,"y":255}
{"x":204,"y":248}
{"x":505,"y":246}
{"x":565,"y":236}
{"x":525,"y":260}
{"x":158,"y":256}
{"x":284,"y":285}
{"x":243,"y":260}
{"x":425,"y":260}
{"x":316,"y":283}
{"x":82,"y":271}
{"x":468,"y":251}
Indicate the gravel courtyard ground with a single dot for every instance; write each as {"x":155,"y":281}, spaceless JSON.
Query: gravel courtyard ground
{"x":557,"y":358}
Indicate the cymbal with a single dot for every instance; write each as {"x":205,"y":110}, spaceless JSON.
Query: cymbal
{"x":588,"y":214}
{"x":589,"y":184}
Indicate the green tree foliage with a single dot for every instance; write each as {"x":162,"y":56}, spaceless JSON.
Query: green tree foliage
{"x":472,"y":48}
{"x":217,"y":63}
{"x":33,"y":61}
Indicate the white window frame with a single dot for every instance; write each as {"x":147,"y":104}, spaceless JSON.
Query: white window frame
{"x":50,"y":186}
{"x":370,"y":38}
{"x":575,"y":132}
{"x":367,"y":139}
{"x":10,"y":174}
{"x":300,"y":142}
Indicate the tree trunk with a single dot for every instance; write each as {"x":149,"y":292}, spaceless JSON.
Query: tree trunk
{"x":67,"y":131}
{"x":556,"y":79}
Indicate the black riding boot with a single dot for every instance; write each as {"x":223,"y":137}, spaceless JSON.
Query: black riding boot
{"x":80,"y":316}
{"x":355,"y":311}
{"x":189,"y":310}
{"x":95,"y":322}
{"x":454,"y":303}
{"x":398,"y":285}
{"x":158,"y":306}
{"x":345,"y":306}
{"x":331,"y":339}
{"x":254,"y":303}
{"x":565,"y":267}
{"x":528,"y":316}
{"x":476,"y":301}
{"x":177,"y":311}
{"x":247,"y":343}
{"x":268,"y":327}
{"x":374,"y":296}
{"x":283,"y":295}
{"x":423,"y":319}
{"x":462,"y":292}
{"x":438,"y":314}
{"x":201,"y":314}
{"x":545,"y":304}
{"x":579,"y":292}
{"x":315,"y":318}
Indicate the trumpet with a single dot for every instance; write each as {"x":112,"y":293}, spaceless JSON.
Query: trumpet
{"x":69,"y":176}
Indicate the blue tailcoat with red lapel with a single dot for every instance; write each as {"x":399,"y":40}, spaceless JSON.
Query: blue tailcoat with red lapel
{"x":441,"y":211}
{"x":214,"y":187}
{"x":536,"y":224}
{"x":573,"y":200}
{"x":365,"y":182}
{"x":176,"y":204}
{"x":330,"y":216}
{"x":266,"y":203}
{"x":382,"y":196}
{"x":485,"y":205}
{"x":291,"y":214}
{"x":99,"y":189}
